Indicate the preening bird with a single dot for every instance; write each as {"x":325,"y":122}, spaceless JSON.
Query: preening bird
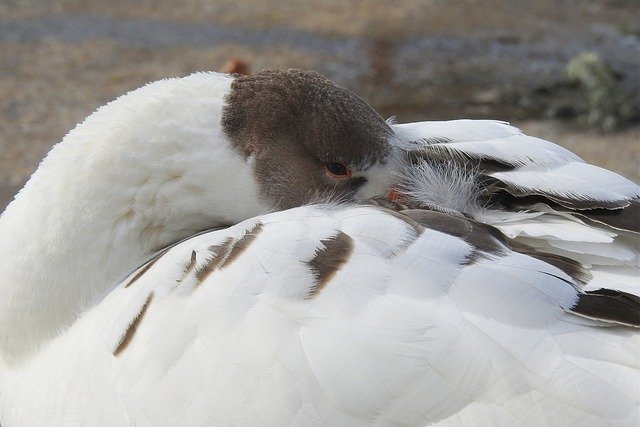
{"x":267,"y":250}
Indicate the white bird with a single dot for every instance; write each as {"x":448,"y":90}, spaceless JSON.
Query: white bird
{"x":173,"y":261}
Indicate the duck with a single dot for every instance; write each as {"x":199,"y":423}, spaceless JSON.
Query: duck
{"x":226,"y":249}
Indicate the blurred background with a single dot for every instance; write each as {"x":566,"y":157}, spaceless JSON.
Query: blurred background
{"x":564,"y":70}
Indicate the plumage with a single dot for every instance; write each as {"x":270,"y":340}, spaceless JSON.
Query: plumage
{"x":157,"y":270}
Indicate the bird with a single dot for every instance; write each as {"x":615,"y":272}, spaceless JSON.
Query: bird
{"x":268,"y":250}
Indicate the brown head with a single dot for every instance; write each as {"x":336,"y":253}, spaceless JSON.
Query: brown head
{"x":308,"y":137}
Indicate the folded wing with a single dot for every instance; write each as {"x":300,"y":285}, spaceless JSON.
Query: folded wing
{"x":346,"y":315}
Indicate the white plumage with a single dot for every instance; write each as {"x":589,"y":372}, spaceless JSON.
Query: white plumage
{"x":337,"y":314}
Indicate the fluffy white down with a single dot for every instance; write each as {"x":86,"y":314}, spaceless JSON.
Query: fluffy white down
{"x":442,"y":186}
{"x":146,"y":161}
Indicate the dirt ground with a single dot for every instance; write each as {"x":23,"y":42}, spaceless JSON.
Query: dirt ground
{"x":417,"y":60}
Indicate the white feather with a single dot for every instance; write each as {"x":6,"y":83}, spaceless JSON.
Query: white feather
{"x":483,"y":139}
{"x":580,"y":181}
{"x":245,"y":346}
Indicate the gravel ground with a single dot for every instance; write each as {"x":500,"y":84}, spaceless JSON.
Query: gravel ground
{"x":417,"y":60}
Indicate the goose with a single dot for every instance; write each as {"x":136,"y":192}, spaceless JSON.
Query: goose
{"x":267,"y":250}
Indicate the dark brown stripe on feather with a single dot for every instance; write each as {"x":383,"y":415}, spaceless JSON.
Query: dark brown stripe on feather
{"x":133,"y":327}
{"x":220,"y":253}
{"x":188,"y":268}
{"x":570,"y":267}
{"x":489,"y":240}
{"x":610,"y":306}
{"x":192,"y":263}
{"x":146,"y":266}
{"x":627,"y":218}
{"x":228,"y":251}
{"x":481,"y":236}
{"x":241,"y":245}
{"x":328,"y":260}
{"x":504,"y":191}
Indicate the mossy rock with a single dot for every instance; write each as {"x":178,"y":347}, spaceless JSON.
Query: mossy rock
{"x":606,"y":105}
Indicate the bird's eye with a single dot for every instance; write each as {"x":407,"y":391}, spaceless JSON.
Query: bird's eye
{"x":337,"y":170}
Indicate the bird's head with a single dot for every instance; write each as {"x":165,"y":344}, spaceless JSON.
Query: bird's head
{"x":309,"y":139}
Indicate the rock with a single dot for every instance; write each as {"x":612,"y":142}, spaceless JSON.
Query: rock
{"x":606,"y":105}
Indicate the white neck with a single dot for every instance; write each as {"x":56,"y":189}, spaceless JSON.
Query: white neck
{"x":133,"y":178}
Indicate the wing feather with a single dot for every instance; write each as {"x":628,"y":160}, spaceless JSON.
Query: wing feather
{"x":505,"y":160}
{"x":413,"y":326}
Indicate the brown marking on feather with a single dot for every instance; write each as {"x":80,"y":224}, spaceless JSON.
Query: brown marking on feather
{"x":188,"y":268}
{"x":583,"y":204}
{"x":243,"y":244}
{"x":489,"y":240}
{"x":504,"y":194}
{"x":227,"y":252}
{"x":481,"y":236}
{"x":220,"y":253}
{"x":570,"y":267}
{"x":610,"y":306}
{"x":191,"y":265}
{"x":133,"y":327}
{"x":328,"y":260}
{"x":623,"y":216}
{"x":627,"y":218}
{"x":146,"y":266}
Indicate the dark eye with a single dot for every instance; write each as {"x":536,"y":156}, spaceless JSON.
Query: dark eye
{"x":337,"y":170}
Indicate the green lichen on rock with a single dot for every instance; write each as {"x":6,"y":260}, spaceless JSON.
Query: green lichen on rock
{"x":607,"y":106}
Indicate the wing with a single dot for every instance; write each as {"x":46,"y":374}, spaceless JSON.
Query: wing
{"x":535,"y":192}
{"x":517,"y":169}
{"x":344,"y":316}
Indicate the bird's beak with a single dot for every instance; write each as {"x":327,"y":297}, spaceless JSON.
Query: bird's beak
{"x":394,"y":195}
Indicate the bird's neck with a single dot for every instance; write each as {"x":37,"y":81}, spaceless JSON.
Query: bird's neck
{"x":114,"y":191}
{"x":56,"y":261}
